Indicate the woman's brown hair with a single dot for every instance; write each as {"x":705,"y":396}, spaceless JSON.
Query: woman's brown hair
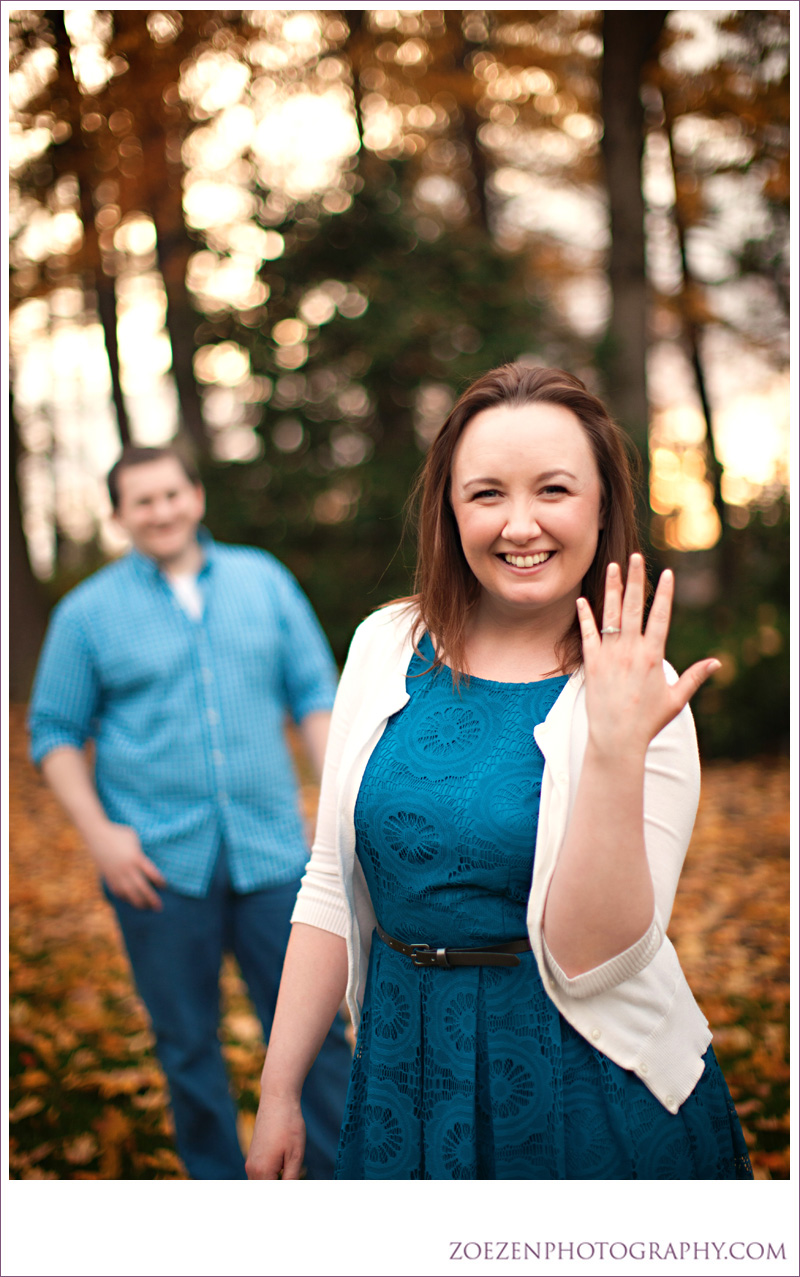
{"x":446,"y":589}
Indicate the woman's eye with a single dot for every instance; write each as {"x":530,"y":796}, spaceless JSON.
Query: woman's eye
{"x":485,"y":492}
{"x":556,"y":488}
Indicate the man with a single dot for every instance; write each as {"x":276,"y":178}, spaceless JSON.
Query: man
{"x":180,"y":661}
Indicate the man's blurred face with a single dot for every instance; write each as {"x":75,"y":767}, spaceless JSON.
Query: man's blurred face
{"x":160,"y":509}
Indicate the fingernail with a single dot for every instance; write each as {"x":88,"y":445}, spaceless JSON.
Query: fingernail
{"x":713,"y":666}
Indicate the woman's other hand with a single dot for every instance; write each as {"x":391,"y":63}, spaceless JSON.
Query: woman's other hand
{"x":628,"y":698}
{"x":312,"y":987}
{"x":279,"y":1140}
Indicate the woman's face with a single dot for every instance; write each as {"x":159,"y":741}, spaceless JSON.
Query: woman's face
{"x":527,"y":498}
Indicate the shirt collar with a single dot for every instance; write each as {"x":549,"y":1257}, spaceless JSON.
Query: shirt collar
{"x":144,"y":564}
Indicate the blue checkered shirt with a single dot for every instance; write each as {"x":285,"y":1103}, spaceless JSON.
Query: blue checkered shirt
{"x":188,"y":716}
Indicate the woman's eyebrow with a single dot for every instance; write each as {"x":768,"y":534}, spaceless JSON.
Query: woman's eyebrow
{"x":543,"y":477}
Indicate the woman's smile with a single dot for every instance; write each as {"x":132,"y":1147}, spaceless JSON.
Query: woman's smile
{"x":527,"y":560}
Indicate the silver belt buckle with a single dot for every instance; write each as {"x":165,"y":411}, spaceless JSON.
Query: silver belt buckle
{"x":423,"y":955}
{"x":426,"y":956}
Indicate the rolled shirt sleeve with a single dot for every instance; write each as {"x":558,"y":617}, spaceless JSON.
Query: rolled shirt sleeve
{"x":66,"y":692}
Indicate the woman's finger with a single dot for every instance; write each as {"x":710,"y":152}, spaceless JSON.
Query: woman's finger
{"x":633,"y":600}
{"x":658,"y":621}
{"x":612,"y":603}
{"x":589,"y":636}
{"x":293,"y":1161}
{"x":694,"y":678}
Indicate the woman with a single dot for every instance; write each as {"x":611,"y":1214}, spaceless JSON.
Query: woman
{"x":519,"y":1015}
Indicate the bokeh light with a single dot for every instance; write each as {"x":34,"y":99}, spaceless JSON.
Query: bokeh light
{"x":271,"y":126}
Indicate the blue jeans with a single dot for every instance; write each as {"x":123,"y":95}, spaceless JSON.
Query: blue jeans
{"x":176,"y":956}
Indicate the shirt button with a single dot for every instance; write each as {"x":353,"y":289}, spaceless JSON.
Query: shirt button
{"x":222,"y":796}
{"x":207,"y":676}
{"x":218,"y":756}
{"x":669,"y":1100}
{"x":595,"y":1034}
{"x":212,"y":716}
{"x":553,"y":984}
{"x":642,"y":1068}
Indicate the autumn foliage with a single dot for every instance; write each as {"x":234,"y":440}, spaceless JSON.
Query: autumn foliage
{"x":88,"y":1099}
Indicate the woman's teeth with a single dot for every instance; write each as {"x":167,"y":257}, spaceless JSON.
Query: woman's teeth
{"x":526,"y":560}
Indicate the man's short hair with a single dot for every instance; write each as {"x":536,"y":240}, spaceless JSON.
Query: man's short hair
{"x":134,"y":455}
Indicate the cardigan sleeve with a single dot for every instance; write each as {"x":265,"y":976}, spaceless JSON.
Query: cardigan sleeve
{"x":671,"y":795}
{"x":321,"y":901}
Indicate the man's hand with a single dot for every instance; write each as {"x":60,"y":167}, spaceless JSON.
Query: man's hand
{"x":118,"y":854}
{"x":115,"y":849}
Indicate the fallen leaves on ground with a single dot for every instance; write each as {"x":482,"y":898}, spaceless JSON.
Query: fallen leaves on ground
{"x":730,"y":927}
{"x":88,"y":1099}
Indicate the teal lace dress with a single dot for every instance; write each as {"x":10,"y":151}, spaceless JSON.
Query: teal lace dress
{"x":472,"y":1073}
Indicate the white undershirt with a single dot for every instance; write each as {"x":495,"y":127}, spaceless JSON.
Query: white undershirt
{"x":186,"y":589}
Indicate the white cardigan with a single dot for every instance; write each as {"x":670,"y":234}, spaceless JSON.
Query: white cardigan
{"x":636,"y":1008}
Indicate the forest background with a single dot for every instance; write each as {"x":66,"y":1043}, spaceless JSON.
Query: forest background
{"x":290,"y":237}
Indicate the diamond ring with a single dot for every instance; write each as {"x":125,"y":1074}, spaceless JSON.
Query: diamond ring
{"x":611,"y":629}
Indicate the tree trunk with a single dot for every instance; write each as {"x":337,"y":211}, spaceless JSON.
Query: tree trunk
{"x":690,"y":325}
{"x":97,"y":280}
{"x":173,"y":252}
{"x":352,"y":49}
{"x":629,"y":37}
{"x":107,"y":310}
{"x":159,"y":191}
{"x":471,"y":122}
{"x":727,"y":554}
{"x":26,"y":598}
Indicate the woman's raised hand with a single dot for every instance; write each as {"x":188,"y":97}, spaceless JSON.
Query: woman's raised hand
{"x":628,"y":698}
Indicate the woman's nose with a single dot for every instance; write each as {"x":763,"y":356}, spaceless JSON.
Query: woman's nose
{"x":522,"y":525}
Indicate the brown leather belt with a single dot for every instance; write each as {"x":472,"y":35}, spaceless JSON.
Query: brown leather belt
{"x":487,"y":955}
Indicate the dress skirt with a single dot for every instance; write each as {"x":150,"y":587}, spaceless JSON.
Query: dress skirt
{"x":472,"y":1072}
